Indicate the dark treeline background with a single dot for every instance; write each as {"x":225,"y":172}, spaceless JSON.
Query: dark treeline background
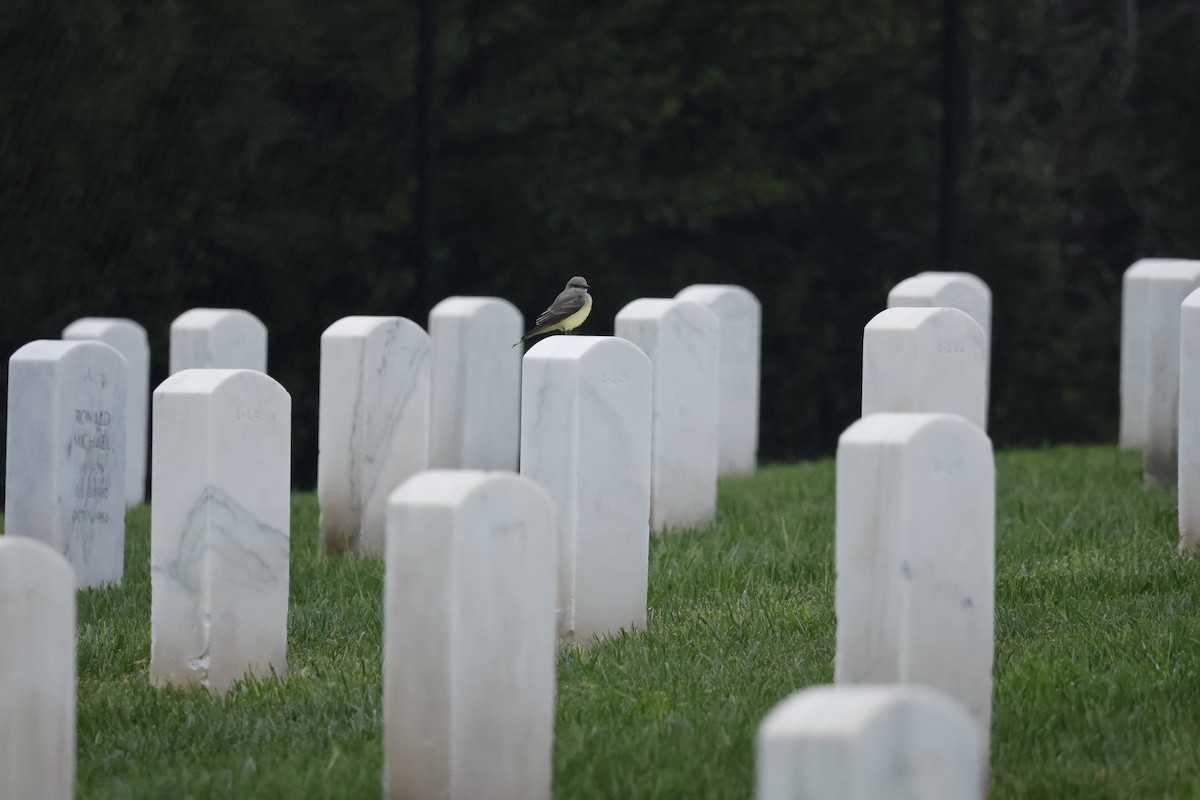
{"x":160,"y":156}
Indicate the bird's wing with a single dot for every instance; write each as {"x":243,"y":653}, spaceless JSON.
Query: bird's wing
{"x":567,"y":303}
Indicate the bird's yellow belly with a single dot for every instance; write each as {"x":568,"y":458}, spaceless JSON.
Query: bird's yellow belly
{"x":575,"y":320}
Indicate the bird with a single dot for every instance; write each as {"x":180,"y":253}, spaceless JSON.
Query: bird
{"x":566,"y":313}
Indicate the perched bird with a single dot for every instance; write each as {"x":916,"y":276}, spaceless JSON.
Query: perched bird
{"x":566,"y":313}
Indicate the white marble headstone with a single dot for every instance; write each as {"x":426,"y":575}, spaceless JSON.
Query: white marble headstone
{"x":585,"y":437}
{"x":1137,"y":326}
{"x":37,"y":671}
{"x":65,"y":466}
{"x":1189,"y":425}
{"x":960,"y":290}
{"x":129,"y":339}
{"x":915,"y":555}
{"x":219,"y":528}
{"x":469,"y":646}
{"x":869,"y":743}
{"x":373,"y":427}
{"x":925,"y":359}
{"x":680,"y":337}
{"x":476,"y":383}
{"x":739,"y":318}
{"x":1153,"y":290}
{"x":218,"y":338}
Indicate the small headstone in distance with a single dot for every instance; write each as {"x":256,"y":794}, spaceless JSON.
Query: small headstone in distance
{"x":739,"y":318}
{"x":218,"y":338}
{"x":1137,"y":323}
{"x":475,"y":421}
{"x":925,"y":359}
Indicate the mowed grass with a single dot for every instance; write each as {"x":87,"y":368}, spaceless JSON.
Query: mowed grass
{"x":1097,"y":675}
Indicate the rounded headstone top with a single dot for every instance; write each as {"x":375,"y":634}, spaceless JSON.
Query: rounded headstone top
{"x":200,"y":318}
{"x":576,"y":347}
{"x":726,"y":297}
{"x":1163,"y":268}
{"x":933,"y":282}
{"x":847,"y":710}
{"x":910,"y":317}
{"x":208,"y":381}
{"x":25,"y":560}
{"x":465,"y":306}
{"x":363,"y":325}
{"x":58,"y":349}
{"x":104,"y":327}
{"x":653,"y":308}
{"x":453,"y":487}
{"x":904,"y":426}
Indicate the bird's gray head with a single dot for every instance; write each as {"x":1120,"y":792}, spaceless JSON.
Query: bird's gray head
{"x":578,"y":283}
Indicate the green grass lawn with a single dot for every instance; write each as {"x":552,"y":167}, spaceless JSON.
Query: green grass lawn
{"x":1097,"y":690}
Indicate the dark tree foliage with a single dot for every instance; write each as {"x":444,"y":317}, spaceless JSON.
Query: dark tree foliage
{"x":157,"y":157}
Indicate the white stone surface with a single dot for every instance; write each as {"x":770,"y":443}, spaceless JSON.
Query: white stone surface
{"x":868,"y":743}
{"x":915,"y":556}
{"x":925,"y":359}
{"x":739,"y":319}
{"x":585,"y":437}
{"x":469,"y":646}
{"x":1136,"y":325}
{"x":1189,"y":425}
{"x":373,"y":426}
{"x":1159,"y":288}
{"x":219,"y":528}
{"x":37,"y":671}
{"x":129,"y":339}
{"x":680,"y":337}
{"x":218,"y":338}
{"x":476,"y":383}
{"x":960,"y":290}
{"x":65,"y":465}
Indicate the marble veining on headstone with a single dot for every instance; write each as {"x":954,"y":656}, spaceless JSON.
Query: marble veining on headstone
{"x":65,"y":465}
{"x":219,"y":528}
{"x":374,"y":425}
